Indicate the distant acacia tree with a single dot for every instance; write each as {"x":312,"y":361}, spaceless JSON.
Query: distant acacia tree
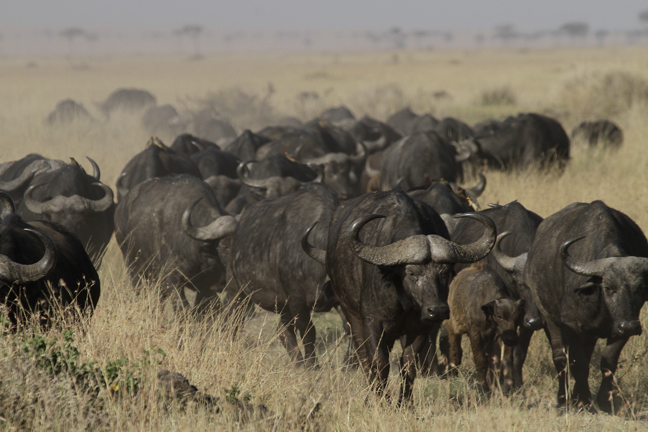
{"x":574,"y":29}
{"x":193,"y":32}
{"x":506,"y":33}
{"x":643,"y":16}
{"x":72,"y":33}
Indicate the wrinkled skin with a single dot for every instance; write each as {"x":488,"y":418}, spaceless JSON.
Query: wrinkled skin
{"x":481,"y":307}
{"x":523,"y":224}
{"x":578,"y":310}
{"x":267,"y":264}
{"x":149,"y":231}
{"x":385,"y":302}
{"x":81,"y":287}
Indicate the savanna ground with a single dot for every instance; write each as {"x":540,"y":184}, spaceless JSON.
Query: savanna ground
{"x":131,"y":337}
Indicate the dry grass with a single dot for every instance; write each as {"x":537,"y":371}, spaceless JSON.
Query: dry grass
{"x":125,"y":325}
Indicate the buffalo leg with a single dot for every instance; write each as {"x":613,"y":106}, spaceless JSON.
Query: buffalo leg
{"x":481,"y":360}
{"x":580,"y":354}
{"x":307,"y":331}
{"x":350,"y":358}
{"x":415,"y":344}
{"x":559,"y":356}
{"x":288,"y":338}
{"x":427,"y":353}
{"x":519,"y":355}
{"x":608,"y":395}
{"x":378,"y":349}
{"x":507,"y":378}
{"x":455,"y":351}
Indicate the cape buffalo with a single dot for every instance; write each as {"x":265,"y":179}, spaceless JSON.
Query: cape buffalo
{"x":189,"y":145}
{"x":163,"y":120}
{"x":246,"y":145}
{"x":267,"y":264}
{"x":402,"y":120}
{"x":390,"y":264}
{"x":524,"y":141}
{"x":16,"y":176}
{"x":43,"y":269}
{"x":128,"y":99}
{"x":587,"y":270}
{"x":482,"y":308}
{"x":67,"y":111}
{"x":156,"y":160}
{"x":512,"y":218}
{"x":603,"y":132}
{"x":417,"y":160}
{"x":74,"y":199}
{"x":449,"y":198}
{"x":170,"y":228}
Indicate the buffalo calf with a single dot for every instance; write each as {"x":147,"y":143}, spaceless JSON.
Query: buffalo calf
{"x":481,"y":307}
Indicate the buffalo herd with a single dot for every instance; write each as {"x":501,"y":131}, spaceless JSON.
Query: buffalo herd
{"x":359,"y":216}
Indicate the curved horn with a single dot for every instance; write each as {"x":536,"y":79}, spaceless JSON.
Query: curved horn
{"x":242,"y":168}
{"x":371,"y":171}
{"x":11,"y":271}
{"x":298,"y":151}
{"x":74,"y":203}
{"x":219,"y":228}
{"x":590,"y":268}
{"x":360,"y":158}
{"x":446,"y":251}
{"x":318,"y":255}
{"x":24,"y":177}
{"x":96,"y":172}
{"x":319,"y":170}
{"x":510,"y":264}
{"x":463,"y":156}
{"x":495,"y":205}
{"x":412,"y":250}
{"x":478,"y":189}
{"x":376,"y":146}
{"x":8,"y":206}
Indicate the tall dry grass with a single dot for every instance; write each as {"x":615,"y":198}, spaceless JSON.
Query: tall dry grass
{"x":130,"y":329}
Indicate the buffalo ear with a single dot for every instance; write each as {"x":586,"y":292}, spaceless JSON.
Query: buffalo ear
{"x":489,"y":309}
{"x":519,"y":304}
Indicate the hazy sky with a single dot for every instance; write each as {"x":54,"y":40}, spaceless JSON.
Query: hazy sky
{"x":323,"y":14}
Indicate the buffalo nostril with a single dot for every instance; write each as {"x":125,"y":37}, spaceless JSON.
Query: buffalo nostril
{"x":439,"y":313}
{"x":533,"y":323}
{"x":630,"y":328}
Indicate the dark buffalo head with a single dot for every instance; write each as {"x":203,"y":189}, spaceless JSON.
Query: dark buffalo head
{"x":515,"y":266}
{"x":78,"y":201}
{"x":619,"y":282}
{"x":423,"y":263}
{"x":506,"y":313}
{"x":341,"y":172}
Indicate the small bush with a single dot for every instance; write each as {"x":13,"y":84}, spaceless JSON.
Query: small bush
{"x":498,"y":96}
{"x":603,"y":95}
